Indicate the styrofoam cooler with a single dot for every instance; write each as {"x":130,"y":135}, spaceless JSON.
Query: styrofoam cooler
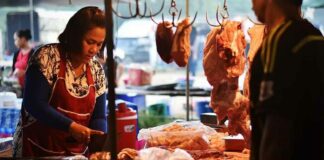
{"x":126,"y":119}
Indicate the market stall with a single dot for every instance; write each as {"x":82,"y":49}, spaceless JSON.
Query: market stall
{"x":201,"y":145}
{"x":226,"y":56}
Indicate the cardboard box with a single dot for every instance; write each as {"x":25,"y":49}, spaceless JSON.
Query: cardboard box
{"x":139,"y":76}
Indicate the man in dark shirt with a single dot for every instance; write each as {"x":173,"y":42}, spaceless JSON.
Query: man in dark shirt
{"x":287,"y":85}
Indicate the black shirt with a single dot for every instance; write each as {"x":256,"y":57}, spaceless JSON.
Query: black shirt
{"x":291,"y":64}
{"x":292,"y":58}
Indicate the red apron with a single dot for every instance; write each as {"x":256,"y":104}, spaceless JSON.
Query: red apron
{"x":41,"y":140}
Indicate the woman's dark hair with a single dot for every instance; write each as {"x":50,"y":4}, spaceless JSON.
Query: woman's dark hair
{"x":79,"y":24}
{"x":293,"y":2}
{"x":298,"y":2}
{"x":24,"y":33}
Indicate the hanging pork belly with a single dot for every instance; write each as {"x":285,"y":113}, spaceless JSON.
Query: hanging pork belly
{"x":181,"y":43}
{"x":223,"y":63}
{"x":164,"y":39}
{"x":256,"y":34}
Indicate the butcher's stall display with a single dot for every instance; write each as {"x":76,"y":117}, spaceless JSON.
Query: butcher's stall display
{"x":178,"y":140}
{"x":223,"y":63}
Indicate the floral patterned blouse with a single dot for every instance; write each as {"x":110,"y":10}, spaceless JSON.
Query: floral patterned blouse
{"x":48,"y":59}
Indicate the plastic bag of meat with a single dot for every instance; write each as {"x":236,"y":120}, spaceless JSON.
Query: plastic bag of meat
{"x":177,"y":126}
{"x":184,"y":135}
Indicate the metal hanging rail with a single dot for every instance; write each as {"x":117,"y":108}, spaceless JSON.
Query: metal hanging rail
{"x":137,"y":11}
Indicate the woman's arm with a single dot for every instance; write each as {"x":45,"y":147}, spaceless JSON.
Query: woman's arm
{"x":99,"y":117}
{"x":36,"y":99}
{"x":19,"y":73}
{"x":14,"y":59}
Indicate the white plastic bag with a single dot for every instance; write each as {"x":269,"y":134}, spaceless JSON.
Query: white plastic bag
{"x":185,"y":135}
{"x":155,"y":153}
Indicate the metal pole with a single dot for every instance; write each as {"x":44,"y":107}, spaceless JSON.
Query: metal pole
{"x":111,"y":79}
{"x":31,"y":16}
{"x":187,"y":74}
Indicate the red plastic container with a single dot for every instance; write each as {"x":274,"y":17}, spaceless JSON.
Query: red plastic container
{"x":126,"y":127}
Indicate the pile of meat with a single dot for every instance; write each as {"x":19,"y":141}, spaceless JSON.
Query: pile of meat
{"x":174,"y":47}
{"x":223,"y":63}
{"x":125,"y":154}
{"x":177,"y":136}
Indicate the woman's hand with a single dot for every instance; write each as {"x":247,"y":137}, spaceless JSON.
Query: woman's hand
{"x":19,"y":73}
{"x":10,"y":74}
{"x":82,"y":133}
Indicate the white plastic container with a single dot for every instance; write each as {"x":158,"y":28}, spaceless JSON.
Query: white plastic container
{"x":8,"y":100}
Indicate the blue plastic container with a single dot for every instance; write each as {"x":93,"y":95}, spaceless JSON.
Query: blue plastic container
{"x":203,"y":107}
{"x":139,"y":100}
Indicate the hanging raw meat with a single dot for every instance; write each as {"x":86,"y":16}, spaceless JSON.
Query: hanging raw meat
{"x":164,"y":37}
{"x":256,"y":34}
{"x":181,"y":43}
{"x":212,"y":61}
{"x":223,"y":63}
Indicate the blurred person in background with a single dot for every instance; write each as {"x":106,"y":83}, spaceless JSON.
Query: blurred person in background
{"x":287,"y":85}
{"x":65,"y":91}
{"x":119,"y":67}
{"x":21,"y":57}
